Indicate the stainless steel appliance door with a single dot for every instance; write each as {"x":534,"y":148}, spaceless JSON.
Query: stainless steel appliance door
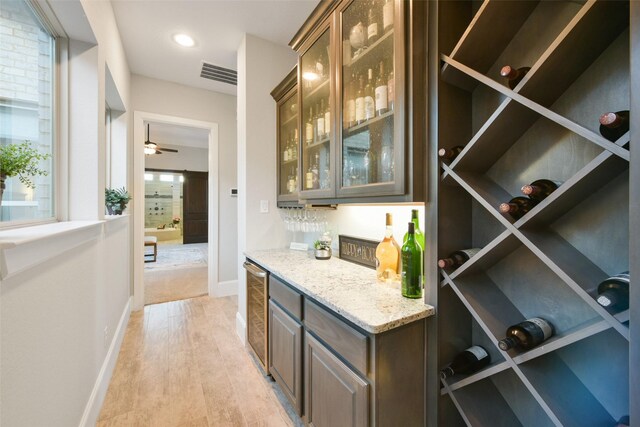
{"x":257,"y":328}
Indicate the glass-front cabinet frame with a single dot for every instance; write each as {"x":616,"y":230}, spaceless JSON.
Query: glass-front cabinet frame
{"x":370,"y":160}
{"x":316,"y":80}
{"x":287,"y":140}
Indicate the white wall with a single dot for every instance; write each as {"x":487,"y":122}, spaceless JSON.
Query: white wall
{"x":171,"y":99}
{"x":261,"y":66}
{"x":187,"y":158}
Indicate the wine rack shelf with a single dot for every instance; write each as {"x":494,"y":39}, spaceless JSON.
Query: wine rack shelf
{"x":549,"y":262}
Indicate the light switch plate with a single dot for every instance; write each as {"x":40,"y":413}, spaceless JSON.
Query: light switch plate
{"x":264,"y":206}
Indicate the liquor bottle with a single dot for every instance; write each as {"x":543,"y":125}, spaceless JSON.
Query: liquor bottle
{"x":351,"y":102}
{"x":308,"y":129}
{"x":469,"y":361}
{"x":517,"y":207}
{"x":327,"y":121}
{"x":308,"y":184}
{"x":360,"y":102}
{"x":372,"y":28}
{"x":411,"y":266}
{"x":387,"y":15}
{"x":458,"y":258}
{"x":315,"y":171}
{"x":513,"y":75}
{"x":391,"y":85}
{"x":526,"y":335}
{"x":450,"y":153}
{"x":369,"y":102}
{"x":614,"y":125}
{"x":415,"y":219}
{"x":388,"y":255}
{"x":382,"y":104}
{"x":320,"y":120}
{"x":540,"y":189}
{"x":614,"y":292}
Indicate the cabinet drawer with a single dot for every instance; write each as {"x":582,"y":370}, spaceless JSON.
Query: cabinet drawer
{"x":345,"y":340}
{"x":288,"y":298}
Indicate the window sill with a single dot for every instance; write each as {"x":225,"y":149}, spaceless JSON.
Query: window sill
{"x":24,"y":248}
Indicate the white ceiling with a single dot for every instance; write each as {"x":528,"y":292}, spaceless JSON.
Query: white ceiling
{"x":166,"y":135}
{"x":147,"y":27}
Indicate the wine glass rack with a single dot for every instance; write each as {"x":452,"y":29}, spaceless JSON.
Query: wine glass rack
{"x":549,"y":262}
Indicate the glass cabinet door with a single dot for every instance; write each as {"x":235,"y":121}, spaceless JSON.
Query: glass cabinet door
{"x":315,"y":109}
{"x":288,"y":148}
{"x":371,"y":143}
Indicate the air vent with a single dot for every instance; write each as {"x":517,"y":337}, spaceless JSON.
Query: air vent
{"x":219,"y":74}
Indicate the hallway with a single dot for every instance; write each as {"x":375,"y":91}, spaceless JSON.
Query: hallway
{"x":181,"y":364}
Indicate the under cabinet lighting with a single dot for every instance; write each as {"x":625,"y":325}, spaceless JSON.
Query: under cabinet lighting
{"x":166,"y":178}
{"x":184,"y":40}
{"x":148,"y":177}
{"x":181,"y":178}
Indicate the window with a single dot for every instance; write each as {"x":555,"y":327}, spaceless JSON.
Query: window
{"x":26,"y":108}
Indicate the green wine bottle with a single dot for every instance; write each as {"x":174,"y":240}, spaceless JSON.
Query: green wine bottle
{"x":411,"y":266}
{"x":418,"y":233}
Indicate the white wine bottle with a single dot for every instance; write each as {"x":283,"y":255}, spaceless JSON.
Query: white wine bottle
{"x":469,"y":361}
{"x":388,"y":255}
{"x":526,"y":335}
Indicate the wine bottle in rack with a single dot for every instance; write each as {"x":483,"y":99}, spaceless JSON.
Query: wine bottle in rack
{"x":373,"y":28}
{"x":526,"y":335}
{"x":369,"y":100}
{"x":513,"y":75}
{"x":360,"y":102}
{"x":614,"y":125}
{"x":613,"y":293}
{"x":387,"y":15}
{"x":469,"y":361}
{"x":450,"y":153}
{"x":458,"y":258}
{"x":381,"y":92}
{"x":517,"y":207}
{"x":540,"y":189}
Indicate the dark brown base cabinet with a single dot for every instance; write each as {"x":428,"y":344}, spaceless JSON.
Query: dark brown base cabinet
{"x":350,"y":378}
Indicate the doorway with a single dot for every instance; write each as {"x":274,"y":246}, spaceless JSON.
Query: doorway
{"x":197,"y":223}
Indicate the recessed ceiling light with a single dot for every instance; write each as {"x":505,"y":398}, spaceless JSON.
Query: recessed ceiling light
{"x":184,"y":40}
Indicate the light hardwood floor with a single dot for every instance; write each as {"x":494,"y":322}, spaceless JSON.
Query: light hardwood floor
{"x":182,"y":364}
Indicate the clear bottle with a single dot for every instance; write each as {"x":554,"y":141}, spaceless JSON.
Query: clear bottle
{"x":327,"y":121}
{"x":469,"y":361}
{"x":382,"y":92}
{"x":294,"y":141}
{"x":320,"y":120}
{"x":308,"y":179}
{"x":411,"y":266}
{"x":369,"y":100}
{"x":373,"y":28}
{"x":360,"y":102}
{"x":387,"y":15}
{"x":315,"y":170}
{"x":388,"y":255}
{"x":526,"y":335}
{"x":308,"y":129}
{"x":415,"y":219}
{"x":350,"y":119}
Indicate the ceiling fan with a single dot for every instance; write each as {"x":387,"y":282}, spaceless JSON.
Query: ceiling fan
{"x":153,"y":148}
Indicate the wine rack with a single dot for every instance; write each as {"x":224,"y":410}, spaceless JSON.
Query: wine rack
{"x":549,"y":262}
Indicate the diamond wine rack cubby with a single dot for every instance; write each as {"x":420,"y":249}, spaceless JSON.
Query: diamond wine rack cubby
{"x":549,"y":262}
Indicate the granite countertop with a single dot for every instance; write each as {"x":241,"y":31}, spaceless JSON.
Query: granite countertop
{"x":346,"y":288}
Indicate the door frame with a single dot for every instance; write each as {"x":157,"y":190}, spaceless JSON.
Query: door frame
{"x":139,"y":117}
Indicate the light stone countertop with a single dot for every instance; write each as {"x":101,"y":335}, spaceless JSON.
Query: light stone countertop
{"x":346,"y":288}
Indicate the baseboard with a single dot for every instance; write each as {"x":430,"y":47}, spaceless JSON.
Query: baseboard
{"x":92,"y":410}
{"x":241,"y":328}
{"x":223,"y":289}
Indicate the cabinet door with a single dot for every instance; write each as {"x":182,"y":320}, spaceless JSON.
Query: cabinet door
{"x":288,"y":147}
{"x":334,"y":394}
{"x":315,"y":86}
{"x":371,"y":86}
{"x":285,"y":354}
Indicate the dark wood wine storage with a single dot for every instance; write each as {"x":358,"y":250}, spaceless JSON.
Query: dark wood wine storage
{"x":549,"y":262}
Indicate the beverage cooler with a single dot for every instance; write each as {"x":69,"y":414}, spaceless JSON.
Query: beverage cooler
{"x":257,"y":305}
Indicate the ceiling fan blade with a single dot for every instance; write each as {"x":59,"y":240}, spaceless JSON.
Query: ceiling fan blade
{"x":168,"y":150}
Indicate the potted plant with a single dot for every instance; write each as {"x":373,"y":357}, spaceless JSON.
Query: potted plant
{"x":323,"y":247}
{"x":21,"y":160}
{"x":116,"y":200}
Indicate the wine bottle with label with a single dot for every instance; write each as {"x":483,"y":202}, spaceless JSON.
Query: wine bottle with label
{"x":458,"y":258}
{"x":308,"y":129}
{"x":469,"y":361}
{"x":369,"y":100}
{"x":387,"y":15}
{"x":351,"y":103}
{"x":411,"y":266}
{"x":517,"y":207}
{"x":382,"y":105}
{"x":526,"y":335}
{"x":613,"y":293}
{"x":388,"y":255}
{"x":360,"y":102}
{"x":540,"y":189}
{"x":614,"y":125}
{"x":449,"y":154}
{"x":513,"y":75}
{"x":372,"y":28}
{"x":320,"y":120}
